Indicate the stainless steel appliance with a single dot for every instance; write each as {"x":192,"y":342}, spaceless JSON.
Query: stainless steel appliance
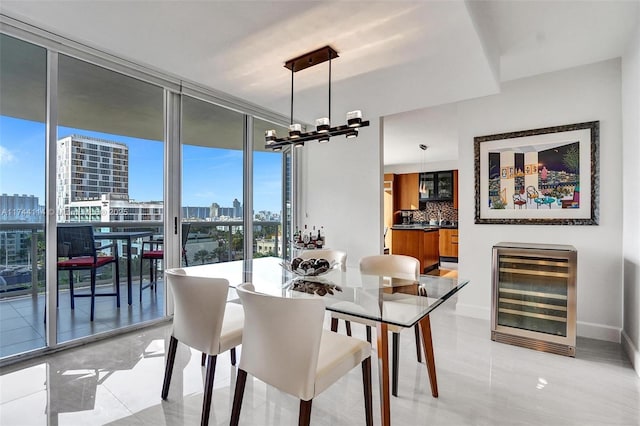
{"x":534,"y":296}
{"x":406,"y":217}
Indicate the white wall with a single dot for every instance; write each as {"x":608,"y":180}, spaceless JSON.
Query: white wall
{"x":340,"y":188}
{"x":631,"y":199}
{"x":580,"y":94}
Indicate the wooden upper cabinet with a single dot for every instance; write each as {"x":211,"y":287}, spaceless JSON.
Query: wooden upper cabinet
{"x":407,"y":191}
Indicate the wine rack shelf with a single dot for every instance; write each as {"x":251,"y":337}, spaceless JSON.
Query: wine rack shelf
{"x":534,"y":296}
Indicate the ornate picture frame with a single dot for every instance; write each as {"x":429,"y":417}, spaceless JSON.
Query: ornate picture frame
{"x":546,"y":176}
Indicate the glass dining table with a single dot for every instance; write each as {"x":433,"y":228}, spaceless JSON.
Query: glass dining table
{"x":383,"y":300}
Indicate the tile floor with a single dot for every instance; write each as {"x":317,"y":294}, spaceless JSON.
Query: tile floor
{"x":22,"y":326}
{"x":118,"y":382}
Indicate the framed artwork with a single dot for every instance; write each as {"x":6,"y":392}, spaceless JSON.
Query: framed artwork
{"x":560,"y":185}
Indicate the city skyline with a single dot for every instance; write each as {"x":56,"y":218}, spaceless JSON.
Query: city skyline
{"x":210,"y":175}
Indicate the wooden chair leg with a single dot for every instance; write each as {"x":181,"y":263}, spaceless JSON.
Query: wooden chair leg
{"x":416,"y":328}
{"x":395,"y":362}
{"x":233,"y":356}
{"x":168,"y":370}
{"x":203,"y":361}
{"x":304,"y":417}
{"x":241,"y":380}
{"x":334,"y":324}
{"x":208,"y":390}
{"x":368,"y":398}
{"x":369,"y":333}
{"x":347,"y":324}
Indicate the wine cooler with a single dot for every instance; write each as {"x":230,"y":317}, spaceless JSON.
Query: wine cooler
{"x":534,"y":296}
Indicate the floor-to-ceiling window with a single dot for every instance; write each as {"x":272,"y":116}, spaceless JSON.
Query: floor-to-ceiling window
{"x":109,"y":174}
{"x":212,"y":182}
{"x":112,"y":143}
{"x":269,"y":238}
{"x":23,"y":80}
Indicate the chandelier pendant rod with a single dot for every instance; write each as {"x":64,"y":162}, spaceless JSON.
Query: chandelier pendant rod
{"x":330,"y":56}
{"x":292,"y":71}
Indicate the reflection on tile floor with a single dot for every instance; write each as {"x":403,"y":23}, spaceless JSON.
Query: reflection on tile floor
{"x":22,"y":326}
{"x":118,"y":382}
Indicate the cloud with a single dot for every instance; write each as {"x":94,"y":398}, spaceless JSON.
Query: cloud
{"x":6,"y":156}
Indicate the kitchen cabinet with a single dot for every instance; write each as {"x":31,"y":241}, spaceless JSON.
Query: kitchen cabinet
{"x":418,"y":243}
{"x":437,"y":186}
{"x":430,"y":250}
{"x":407,"y":186}
{"x":390,"y":205}
{"x":449,"y":243}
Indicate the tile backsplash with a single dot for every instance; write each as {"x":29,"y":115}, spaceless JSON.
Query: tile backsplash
{"x":431,"y":212}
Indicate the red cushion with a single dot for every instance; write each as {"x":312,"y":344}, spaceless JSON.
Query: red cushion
{"x":153,"y":254}
{"x":84,"y":262}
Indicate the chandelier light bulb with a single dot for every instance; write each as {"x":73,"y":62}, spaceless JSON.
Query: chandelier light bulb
{"x":322,"y":125}
{"x":354,"y":118}
{"x":294,"y":130}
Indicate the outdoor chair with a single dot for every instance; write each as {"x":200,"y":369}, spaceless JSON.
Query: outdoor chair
{"x":77,"y":251}
{"x":153,"y":251}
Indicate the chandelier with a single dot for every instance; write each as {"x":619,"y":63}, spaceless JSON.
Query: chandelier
{"x":323,"y":131}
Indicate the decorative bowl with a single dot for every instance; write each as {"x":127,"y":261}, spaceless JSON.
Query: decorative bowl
{"x":314,"y":287}
{"x":308,"y":267}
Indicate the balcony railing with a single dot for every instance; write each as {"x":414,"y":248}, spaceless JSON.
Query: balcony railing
{"x":22,"y":248}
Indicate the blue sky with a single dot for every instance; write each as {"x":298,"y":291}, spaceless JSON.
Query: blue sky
{"x":209,"y":174}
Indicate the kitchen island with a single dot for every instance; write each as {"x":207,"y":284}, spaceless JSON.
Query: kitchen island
{"x":419,"y":241}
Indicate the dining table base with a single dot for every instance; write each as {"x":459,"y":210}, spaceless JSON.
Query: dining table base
{"x":382,"y":339}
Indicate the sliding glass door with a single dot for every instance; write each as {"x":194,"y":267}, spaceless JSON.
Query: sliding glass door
{"x":212,"y":182}
{"x":23,"y":80}
{"x":83,"y":165}
{"x":109,"y":176}
{"x":269,"y":237}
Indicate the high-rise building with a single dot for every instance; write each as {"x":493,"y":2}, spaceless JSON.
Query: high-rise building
{"x":20,"y":208}
{"x":89,"y":167}
{"x":237,"y":208}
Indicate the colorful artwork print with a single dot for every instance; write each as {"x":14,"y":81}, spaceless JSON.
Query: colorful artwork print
{"x":538,"y":176}
{"x":555,"y":182}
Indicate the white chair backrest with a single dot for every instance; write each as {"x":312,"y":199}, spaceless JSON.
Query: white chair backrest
{"x":281,"y":340}
{"x":199,"y":304}
{"x":337,"y":256}
{"x":391,"y":265}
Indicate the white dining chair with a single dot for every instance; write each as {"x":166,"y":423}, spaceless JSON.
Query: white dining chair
{"x":204,"y":321}
{"x":395,"y":266}
{"x":285,"y":346}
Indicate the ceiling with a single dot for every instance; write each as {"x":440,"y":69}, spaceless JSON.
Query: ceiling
{"x":409,"y":61}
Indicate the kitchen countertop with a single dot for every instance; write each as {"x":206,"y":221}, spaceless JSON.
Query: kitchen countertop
{"x":422,"y":227}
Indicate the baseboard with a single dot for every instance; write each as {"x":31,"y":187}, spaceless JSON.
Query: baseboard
{"x":584,"y":329}
{"x":631,"y":351}
{"x":598,"y":332}
{"x":473,"y":311}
